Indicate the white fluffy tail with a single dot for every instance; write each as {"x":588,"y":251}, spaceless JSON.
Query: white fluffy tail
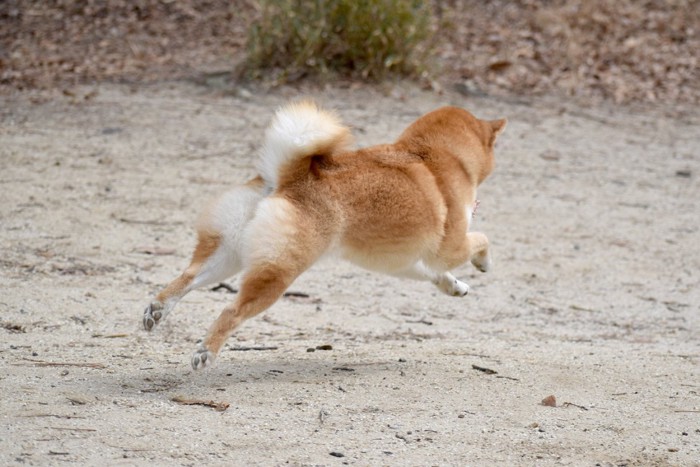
{"x":299,"y":132}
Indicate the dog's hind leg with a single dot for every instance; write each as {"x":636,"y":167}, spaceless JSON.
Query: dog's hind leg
{"x":218,"y":253}
{"x":283,"y":244}
{"x":210,"y":263}
{"x":261,"y":288}
{"x":444,"y":281}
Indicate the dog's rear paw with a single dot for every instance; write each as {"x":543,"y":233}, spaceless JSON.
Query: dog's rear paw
{"x":202,"y":358}
{"x":152,"y":315}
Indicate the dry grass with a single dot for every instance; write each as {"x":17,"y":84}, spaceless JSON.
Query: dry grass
{"x":366,"y":39}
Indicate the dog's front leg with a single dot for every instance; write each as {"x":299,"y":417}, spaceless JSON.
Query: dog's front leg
{"x":479,"y":251}
{"x":474,"y":247}
{"x":450,"y":285}
{"x":445,"y":281}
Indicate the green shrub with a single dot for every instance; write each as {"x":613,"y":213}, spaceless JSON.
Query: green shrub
{"x":358,"y":38}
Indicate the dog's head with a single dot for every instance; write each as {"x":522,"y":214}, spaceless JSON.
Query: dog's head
{"x":457,"y":133}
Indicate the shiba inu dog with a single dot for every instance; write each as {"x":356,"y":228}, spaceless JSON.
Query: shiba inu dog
{"x":403,"y":209}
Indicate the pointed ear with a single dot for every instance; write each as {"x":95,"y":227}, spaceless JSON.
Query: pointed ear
{"x":497,"y":126}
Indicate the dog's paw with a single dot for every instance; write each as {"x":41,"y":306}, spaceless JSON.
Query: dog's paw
{"x":152,"y":315}
{"x":458,"y":288}
{"x":483,"y":263}
{"x":453,"y":286}
{"x":202,"y":358}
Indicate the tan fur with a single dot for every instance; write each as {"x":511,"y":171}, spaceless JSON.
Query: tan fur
{"x":399,"y":208}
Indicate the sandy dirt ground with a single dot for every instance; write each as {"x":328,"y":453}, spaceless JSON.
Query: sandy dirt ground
{"x":594,"y":218}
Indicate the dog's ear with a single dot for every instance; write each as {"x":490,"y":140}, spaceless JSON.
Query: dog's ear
{"x":497,"y":127}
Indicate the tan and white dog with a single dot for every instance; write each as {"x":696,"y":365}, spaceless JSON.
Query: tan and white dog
{"x":403,"y":209}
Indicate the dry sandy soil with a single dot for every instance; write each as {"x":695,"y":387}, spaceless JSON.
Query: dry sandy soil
{"x":594,"y":217}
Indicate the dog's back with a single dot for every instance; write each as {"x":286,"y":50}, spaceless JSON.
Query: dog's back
{"x":391,"y":205}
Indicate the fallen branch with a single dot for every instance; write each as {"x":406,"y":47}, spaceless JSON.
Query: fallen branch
{"x":13,"y":327}
{"x":488,"y":371}
{"x":296,"y":294}
{"x":155,"y":250}
{"x":43,"y":363}
{"x":246,"y":349}
{"x":218,"y":406}
{"x":225,"y":286}
{"x":70,"y":429}
{"x":571,"y":404}
{"x":507,"y":377}
{"x":421,"y":321}
{"x":145,"y":221}
{"x":41,"y":415}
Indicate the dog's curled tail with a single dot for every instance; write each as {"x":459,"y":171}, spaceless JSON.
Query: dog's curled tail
{"x":299,"y":133}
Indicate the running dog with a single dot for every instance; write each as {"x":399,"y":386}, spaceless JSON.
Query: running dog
{"x":403,"y":209}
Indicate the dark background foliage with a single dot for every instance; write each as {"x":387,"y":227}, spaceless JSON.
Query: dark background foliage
{"x":620,"y":50}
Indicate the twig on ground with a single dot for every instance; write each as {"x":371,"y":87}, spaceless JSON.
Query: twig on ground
{"x":488,"y":371}
{"x":13,"y":327}
{"x":296,"y":294}
{"x":44,"y":363}
{"x":155,"y":250}
{"x":218,"y":406}
{"x":246,"y":349}
{"x":421,"y":321}
{"x":571,"y":404}
{"x":66,"y":428}
{"x":223,"y":285}
{"x":145,"y":222}
{"x":507,"y":377}
{"x":53,"y":415}
{"x":291,"y":293}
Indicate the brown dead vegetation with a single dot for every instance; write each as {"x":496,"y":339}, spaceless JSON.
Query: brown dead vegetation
{"x":619,"y":50}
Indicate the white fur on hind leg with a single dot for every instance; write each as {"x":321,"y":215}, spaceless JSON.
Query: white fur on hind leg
{"x":229,"y":215}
